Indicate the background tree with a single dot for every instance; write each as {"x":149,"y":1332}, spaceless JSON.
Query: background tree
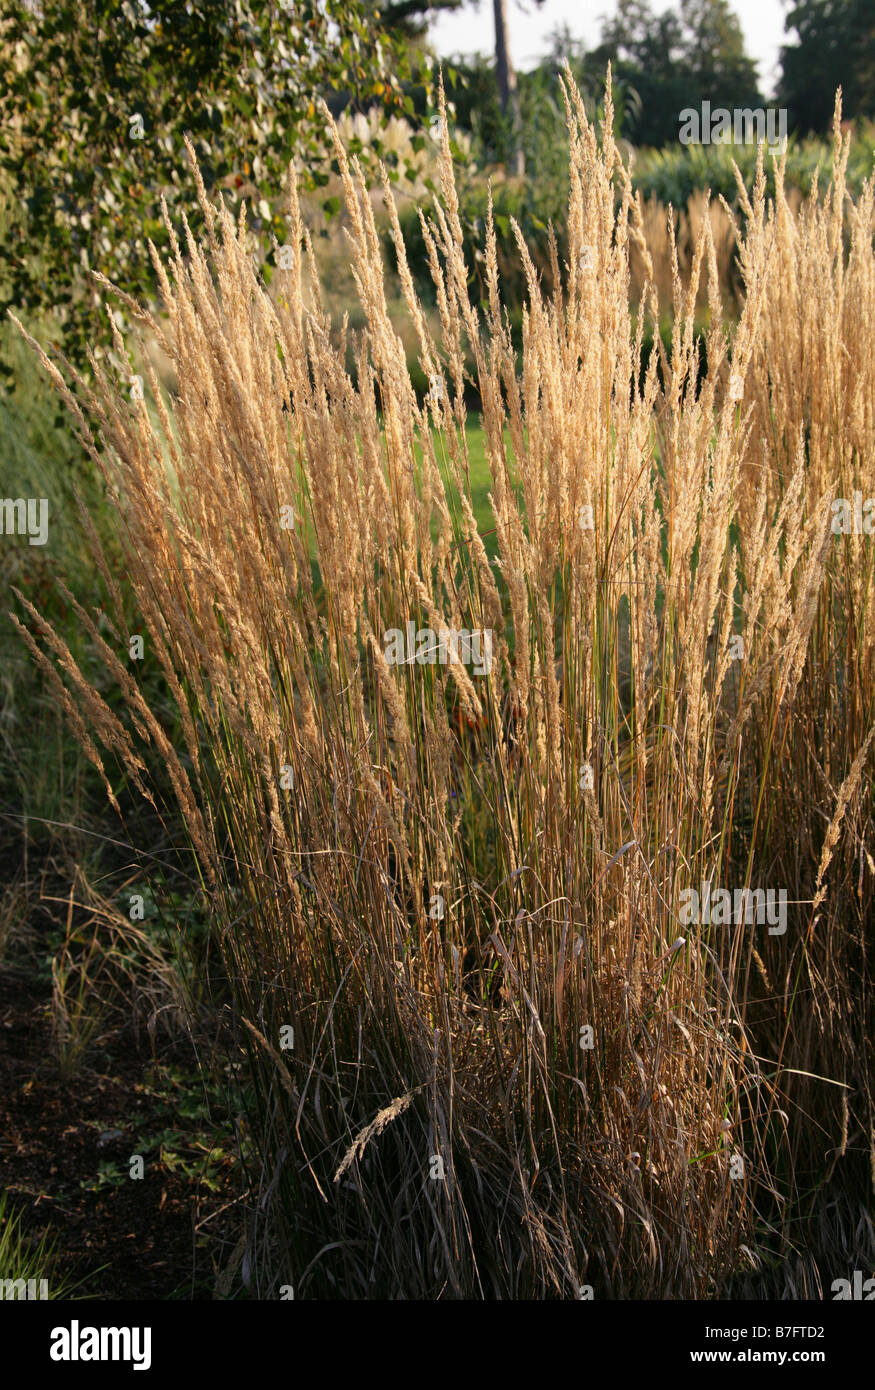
{"x":677,"y":59}
{"x":411,"y":17}
{"x":95,"y":98}
{"x":835,"y":47}
{"x":508,"y":91}
{"x":646,"y":52}
{"x":713,"y":53}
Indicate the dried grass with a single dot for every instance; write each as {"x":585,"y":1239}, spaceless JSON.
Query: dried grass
{"x":612,"y":652}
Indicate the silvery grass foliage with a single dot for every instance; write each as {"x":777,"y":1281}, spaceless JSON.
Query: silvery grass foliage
{"x":486,"y":1059}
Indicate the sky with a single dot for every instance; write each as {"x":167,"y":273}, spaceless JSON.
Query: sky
{"x":471,"y":29}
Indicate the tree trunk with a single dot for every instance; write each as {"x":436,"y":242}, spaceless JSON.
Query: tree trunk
{"x":507,"y":89}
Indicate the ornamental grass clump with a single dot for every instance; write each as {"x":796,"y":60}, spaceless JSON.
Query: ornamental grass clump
{"x":446,"y":802}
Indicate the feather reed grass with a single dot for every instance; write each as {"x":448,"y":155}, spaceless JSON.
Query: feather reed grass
{"x":515,"y":1072}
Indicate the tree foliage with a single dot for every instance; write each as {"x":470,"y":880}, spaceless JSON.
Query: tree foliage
{"x":835,"y":48}
{"x":95,"y":99}
{"x":677,"y":59}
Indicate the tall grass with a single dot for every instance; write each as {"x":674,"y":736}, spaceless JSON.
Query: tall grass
{"x":811,"y":393}
{"x":449,"y":885}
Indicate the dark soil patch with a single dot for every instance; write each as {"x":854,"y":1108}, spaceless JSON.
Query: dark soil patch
{"x":65,"y":1150}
